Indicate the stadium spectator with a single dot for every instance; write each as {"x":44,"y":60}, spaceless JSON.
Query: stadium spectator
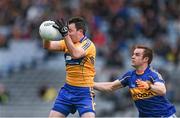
{"x":4,"y":95}
{"x":4,"y":41}
{"x":47,"y":94}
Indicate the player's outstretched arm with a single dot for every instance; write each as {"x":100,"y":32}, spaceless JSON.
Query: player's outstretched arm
{"x":107,"y":86}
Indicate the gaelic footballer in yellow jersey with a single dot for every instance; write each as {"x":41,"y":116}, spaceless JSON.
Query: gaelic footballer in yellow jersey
{"x":79,"y":54}
{"x":80,"y":72}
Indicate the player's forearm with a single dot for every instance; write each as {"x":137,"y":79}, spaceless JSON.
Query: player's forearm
{"x":159,"y":89}
{"x":103,"y":86}
{"x":108,"y":86}
{"x":74,"y":51}
{"x":52,"y":45}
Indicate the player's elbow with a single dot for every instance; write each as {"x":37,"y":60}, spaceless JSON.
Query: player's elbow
{"x":77,"y":55}
{"x":162,"y":92}
{"x":46,"y":44}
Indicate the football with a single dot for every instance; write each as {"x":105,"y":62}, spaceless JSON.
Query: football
{"x":48,"y":32}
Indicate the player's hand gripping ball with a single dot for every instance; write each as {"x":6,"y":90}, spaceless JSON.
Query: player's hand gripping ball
{"x":61,"y":27}
{"x":48,"y":32}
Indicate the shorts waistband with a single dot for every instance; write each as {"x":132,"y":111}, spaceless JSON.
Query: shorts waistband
{"x":77,"y":87}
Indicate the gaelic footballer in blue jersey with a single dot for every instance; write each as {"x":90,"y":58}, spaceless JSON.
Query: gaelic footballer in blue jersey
{"x":146,"y":86}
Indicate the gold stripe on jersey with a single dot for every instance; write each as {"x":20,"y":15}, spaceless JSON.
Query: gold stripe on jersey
{"x":81,"y":72}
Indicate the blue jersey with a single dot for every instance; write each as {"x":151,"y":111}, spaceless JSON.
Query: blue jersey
{"x":148,"y":103}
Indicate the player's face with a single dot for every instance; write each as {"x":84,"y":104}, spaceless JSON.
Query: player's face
{"x":137,"y":58}
{"x":73,"y":33}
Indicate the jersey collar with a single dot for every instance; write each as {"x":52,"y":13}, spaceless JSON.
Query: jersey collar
{"x":83,"y":38}
{"x":145,"y":71}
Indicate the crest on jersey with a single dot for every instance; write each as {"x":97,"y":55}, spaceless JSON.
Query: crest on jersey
{"x":68,"y":57}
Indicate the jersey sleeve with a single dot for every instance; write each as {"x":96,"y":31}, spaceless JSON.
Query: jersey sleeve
{"x":89,"y":47}
{"x":156,"y":77}
{"x":125,"y":79}
{"x":86,"y":44}
{"x":62,"y":45}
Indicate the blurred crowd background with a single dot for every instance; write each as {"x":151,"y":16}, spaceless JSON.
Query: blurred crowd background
{"x":31,"y":76}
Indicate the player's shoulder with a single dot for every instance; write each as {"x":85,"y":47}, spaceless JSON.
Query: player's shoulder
{"x":87,"y":40}
{"x":129,"y":73}
{"x":154,"y":73}
{"x":87,"y":43}
{"x":126,"y":76}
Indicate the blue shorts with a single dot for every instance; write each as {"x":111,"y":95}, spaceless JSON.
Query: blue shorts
{"x":72,"y":98}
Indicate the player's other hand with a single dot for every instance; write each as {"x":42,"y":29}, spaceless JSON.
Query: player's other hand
{"x":142,"y":84}
{"x":61,"y":26}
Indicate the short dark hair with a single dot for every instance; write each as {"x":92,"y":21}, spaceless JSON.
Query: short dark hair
{"x":147,"y":52}
{"x":79,"y":23}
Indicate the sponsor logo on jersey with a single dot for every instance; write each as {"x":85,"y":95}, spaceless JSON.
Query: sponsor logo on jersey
{"x":138,"y":93}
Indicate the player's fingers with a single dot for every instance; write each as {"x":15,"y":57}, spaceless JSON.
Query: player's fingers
{"x":58,"y":23}
{"x":139,"y":82}
{"x":55,"y":26}
{"x":92,"y":93}
{"x":141,"y":86}
{"x":63,"y":22}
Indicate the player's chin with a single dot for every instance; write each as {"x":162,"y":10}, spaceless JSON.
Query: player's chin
{"x":134,"y":65}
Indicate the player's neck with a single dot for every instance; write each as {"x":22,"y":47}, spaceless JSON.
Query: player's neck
{"x":140,"y":70}
{"x":81,"y":37}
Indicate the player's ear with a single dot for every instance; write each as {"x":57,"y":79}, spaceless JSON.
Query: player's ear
{"x":80,"y":30}
{"x":146,"y":59}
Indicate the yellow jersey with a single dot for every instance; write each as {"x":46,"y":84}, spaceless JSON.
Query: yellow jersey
{"x":80,"y":72}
